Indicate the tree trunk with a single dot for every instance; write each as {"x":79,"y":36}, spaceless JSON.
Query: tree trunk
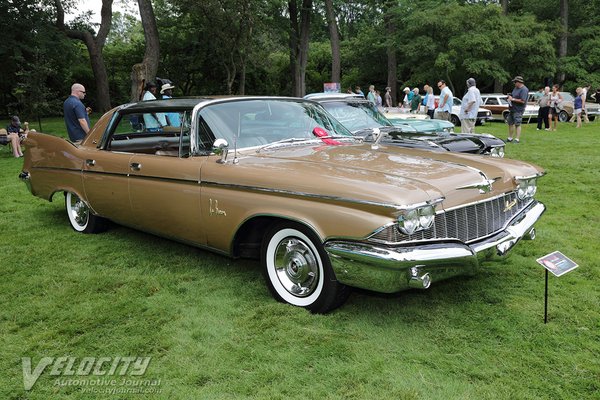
{"x":294,"y":68}
{"x":146,"y":70}
{"x":299,"y":44}
{"x":334,"y":37}
{"x":562,"y":47}
{"x":242,"y":83}
{"x":392,"y":63}
{"x":497,"y":84}
{"x":94,"y":45}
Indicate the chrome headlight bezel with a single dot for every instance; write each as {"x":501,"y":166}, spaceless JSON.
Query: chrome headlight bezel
{"x":526,"y":187}
{"x":497,"y":151}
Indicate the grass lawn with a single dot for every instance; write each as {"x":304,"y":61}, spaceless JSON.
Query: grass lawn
{"x":213,"y":331}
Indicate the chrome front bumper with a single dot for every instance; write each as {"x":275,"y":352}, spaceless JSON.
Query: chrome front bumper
{"x":390,"y":269}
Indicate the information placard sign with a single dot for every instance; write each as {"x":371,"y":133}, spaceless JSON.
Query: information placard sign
{"x":557,"y":263}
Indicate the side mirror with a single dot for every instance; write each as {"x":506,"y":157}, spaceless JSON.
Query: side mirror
{"x":221,"y":146}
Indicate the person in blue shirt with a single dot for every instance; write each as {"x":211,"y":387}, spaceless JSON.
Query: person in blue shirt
{"x":578,"y":106}
{"x":76,"y":115}
{"x":517,"y":101}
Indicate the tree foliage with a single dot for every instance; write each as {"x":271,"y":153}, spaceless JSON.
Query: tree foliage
{"x":240,"y":46}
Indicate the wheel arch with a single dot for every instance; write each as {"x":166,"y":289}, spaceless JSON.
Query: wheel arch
{"x":248,"y":237}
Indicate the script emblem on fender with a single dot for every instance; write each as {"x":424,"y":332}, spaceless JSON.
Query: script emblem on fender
{"x":214,"y":208}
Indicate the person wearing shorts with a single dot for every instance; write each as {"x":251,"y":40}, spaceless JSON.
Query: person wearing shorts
{"x":517,"y":101}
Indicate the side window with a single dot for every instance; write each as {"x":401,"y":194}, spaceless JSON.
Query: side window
{"x":159,"y":133}
{"x":492,"y":101}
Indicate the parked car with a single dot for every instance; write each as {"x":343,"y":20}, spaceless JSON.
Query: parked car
{"x":280,"y":180}
{"x":566,"y":112}
{"x":483,"y":114}
{"x":362,"y":119}
{"x":421,"y":122}
{"x":497,"y":103}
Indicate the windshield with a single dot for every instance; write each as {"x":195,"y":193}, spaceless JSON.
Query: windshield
{"x":567,"y":96}
{"x":356,"y":115}
{"x":261,"y":122}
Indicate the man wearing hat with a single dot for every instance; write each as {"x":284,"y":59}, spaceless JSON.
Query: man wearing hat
{"x":167,"y":93}
{"x":517,"y":101}
{"x":469,"y":107}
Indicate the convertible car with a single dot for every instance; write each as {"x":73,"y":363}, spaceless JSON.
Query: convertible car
{"x":361,"y":118}
{"x":280,"y":180}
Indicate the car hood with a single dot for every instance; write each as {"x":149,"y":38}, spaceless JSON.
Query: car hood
{"x":357,"y":173}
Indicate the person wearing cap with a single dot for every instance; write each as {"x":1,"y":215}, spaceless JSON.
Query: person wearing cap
{"x":408,"y":96}
{"x":444,"y":109}
{"x":517,"y":101}
{"x":76,"y":116}
{"x":388,"y":96}
{"x":471,"y":102}
{"x":166,"y":91}
{"x":15,"y":134}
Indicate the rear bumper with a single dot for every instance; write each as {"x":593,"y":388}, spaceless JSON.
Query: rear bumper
{"x":390,"y":269}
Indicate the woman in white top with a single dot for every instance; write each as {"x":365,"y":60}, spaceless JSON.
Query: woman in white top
{"x":555,"y":106}
{"x":430,"y":102}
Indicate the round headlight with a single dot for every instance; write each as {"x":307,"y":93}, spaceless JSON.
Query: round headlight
{"x":408,"y":222}
{"x":501,"y":152}
{"x":426,"y":217}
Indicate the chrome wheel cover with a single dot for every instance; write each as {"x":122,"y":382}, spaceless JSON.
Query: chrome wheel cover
{"x":296,"y":267}
{"x":78,"y":212}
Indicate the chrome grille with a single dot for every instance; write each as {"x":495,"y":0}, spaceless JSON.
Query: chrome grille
{"x":466,"y":224}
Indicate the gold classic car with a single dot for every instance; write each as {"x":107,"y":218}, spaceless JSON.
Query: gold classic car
{"x":280,"y":180}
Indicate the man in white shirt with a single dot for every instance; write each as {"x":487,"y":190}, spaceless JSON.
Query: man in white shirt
{"x":444,"y":109}
{"x":469,"y":107}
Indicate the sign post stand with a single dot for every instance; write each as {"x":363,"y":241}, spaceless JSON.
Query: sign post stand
{"x":558,"y":264}
{"x":546,"y":299}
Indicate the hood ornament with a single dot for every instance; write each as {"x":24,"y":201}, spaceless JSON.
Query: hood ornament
{"x":485,"y":186}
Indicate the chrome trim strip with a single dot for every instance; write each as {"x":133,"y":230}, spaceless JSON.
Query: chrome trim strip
{"x":483,"y":201}
{"x":309,"y":195}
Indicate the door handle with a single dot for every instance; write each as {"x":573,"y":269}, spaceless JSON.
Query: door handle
{"x":90,"y":163}
{"x":135,"y":166}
